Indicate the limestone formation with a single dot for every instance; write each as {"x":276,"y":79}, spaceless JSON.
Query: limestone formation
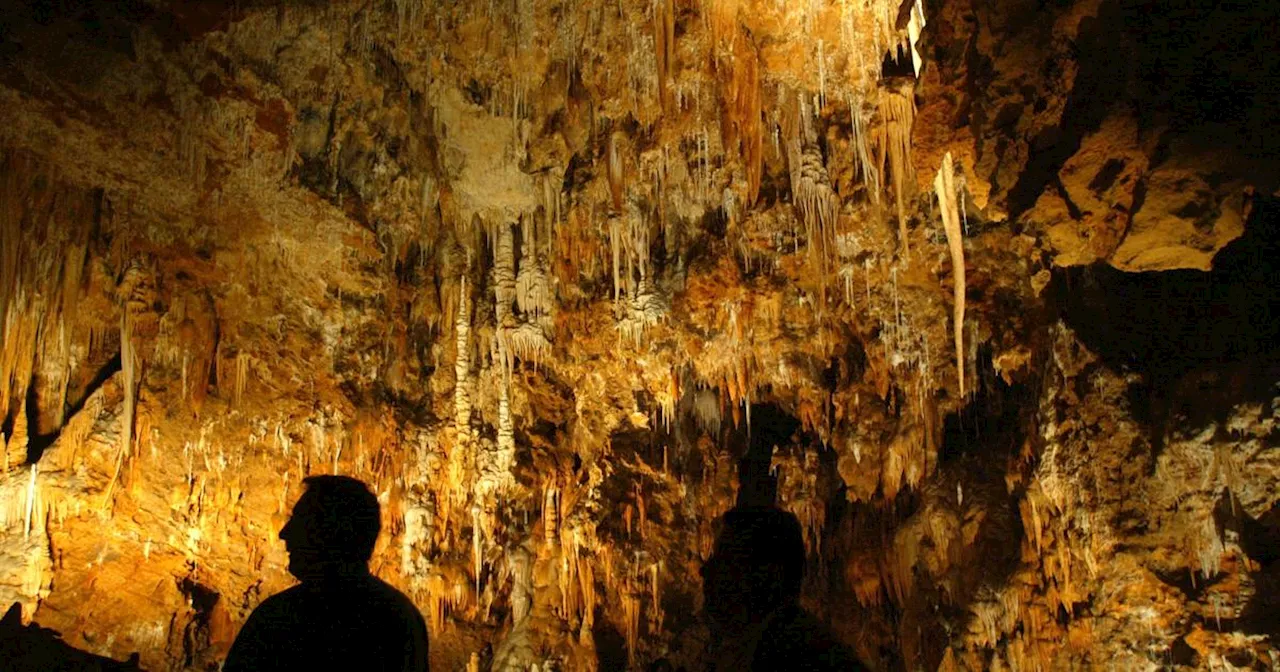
{"x":984,"y":293}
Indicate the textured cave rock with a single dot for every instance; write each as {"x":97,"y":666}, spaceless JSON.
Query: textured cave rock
{"x":563,"y":282}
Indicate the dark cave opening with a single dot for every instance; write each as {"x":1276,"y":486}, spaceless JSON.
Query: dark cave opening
{"x":38,"y":443}
{"x":771,"y":427}
{"x":993,"y":423}
{"x":1202,"y":342}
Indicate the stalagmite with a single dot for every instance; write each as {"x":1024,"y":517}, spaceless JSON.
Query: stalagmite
{"x":944,"y":185}
{"x":279,"y":263}
{"x":521,"y":585}
{"x":495,"y":473}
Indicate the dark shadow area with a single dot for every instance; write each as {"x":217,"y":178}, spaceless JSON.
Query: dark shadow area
{"x":1203,"y":342}
{"x":32,"y":648}
{"x":1214,"y":87}
{"x":897,"y":63}
{"x":1105,"y":61}
{"x":770,"y":426}
{"x":611,"y":646}
{"x":1259,"y":538}
{"x":110,"y":24}
{"x":38,"y":443}
{"x":195,"y":636}
{"x":979,"y":444}
{"x":991,"y":424}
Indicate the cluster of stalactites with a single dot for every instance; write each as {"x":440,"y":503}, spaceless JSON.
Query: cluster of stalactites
{"x":801,"y":491}
{"x":523,"y":301}
{"x":818,"y":203}
{"x":738,"y":66}
{"x":569,"y":540}
{"x":43,"y":262}
{"x":638,"y":303}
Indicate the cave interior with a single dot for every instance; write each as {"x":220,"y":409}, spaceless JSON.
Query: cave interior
{"x":986,"y":294}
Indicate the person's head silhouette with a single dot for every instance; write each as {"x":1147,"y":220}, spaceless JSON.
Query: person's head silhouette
{"x":333,"y":529}
{"x":756,"y":567}
{"x":340,"y":617}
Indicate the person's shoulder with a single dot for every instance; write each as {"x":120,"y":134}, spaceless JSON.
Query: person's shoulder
{"x":283,"y":601}
{"x":392,"y":596}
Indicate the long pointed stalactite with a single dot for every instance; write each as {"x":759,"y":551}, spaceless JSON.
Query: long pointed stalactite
{"x":945,"y":187}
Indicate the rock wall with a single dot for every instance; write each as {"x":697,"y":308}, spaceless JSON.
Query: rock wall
{"x":564,"y":281}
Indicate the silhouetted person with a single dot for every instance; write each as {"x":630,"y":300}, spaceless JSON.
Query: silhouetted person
{"x":34,"y":648}
{"x":340,"y":617}
{"x":751,"y":584}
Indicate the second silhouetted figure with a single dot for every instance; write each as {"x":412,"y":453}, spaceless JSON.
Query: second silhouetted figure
{"x":340,"y":617}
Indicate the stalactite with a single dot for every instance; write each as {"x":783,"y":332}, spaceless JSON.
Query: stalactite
{"x":822,"y":76}
{"x":240,"y":377}
{"x":944,"y":185}
{"x":631,"y":622}
{"x":617,"y":184}
{"x":129,"y":366}
{"x":664,"y":38}
{"x":531,"y":337}
{"x":656,"y":613}
{"x":897,"y":117}
{"x":44,"y":228}
{"x":615,"y":249}
{"x":495,"y":473}
{"x":587,"y":584}
{"x":477,"y":545}
{"x":914,"y":25}
{"x":738,"y":67}
{"x":642,"y":513}
{"x":550,"y":514}
{"x":504,"y":274}
{"x":862,"y":155}
{"x":31,"y":502}
{"x":638,"y":303}
{"x":462,"y":366}
{"x":744,"y":109}
{"x":819,"y":206}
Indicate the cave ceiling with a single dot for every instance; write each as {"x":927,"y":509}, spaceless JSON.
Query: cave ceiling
{"x":984,"y":293}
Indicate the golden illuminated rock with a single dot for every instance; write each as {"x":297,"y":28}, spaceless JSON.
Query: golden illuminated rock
{"x":983,"y":293}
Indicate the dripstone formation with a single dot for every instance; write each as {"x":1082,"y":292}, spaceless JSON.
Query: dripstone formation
{"x":984,"y":293}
